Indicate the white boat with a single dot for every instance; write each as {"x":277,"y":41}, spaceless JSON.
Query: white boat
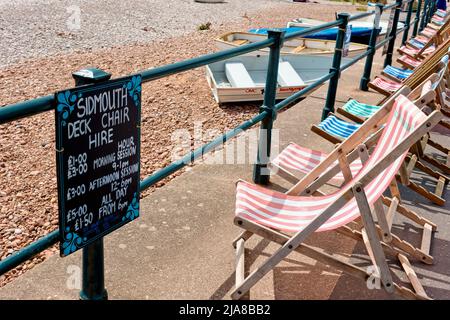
{"x":307,"y":23}
{"x":243,"y":78}
{"x":298,"y":46}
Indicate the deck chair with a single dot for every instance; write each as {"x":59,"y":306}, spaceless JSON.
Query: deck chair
{"x":295,"y":159}
{"x":336,"y":129}
{"x":397,"y":76}
{"x":276,"y":216}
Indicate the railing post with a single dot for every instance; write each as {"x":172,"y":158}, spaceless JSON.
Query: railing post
{"x":417,"y":19}
{"x":260,"y":171}
{"x":430,"y":11}
{"x":393,"y":35}
{"x":365,"y":79}
{"x":93,"y":284}
{"x":424,"y":15}
{"x":407,"y":22}
{"x":336,"y":66}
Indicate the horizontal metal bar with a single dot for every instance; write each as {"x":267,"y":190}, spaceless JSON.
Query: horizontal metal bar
{"x":160,"y":72}
{"x":190,"y":157}
{"x":29,"y":251}
{"x":355,"y":60}
{"x":390,"y":6}
{"x":25,"y":109}
{"x":312,"y":30}
{"x":361,"y":15}
{"x":294,"y":97}
{"x":382,"y":42}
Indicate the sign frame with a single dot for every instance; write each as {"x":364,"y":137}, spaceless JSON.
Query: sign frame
{"x":65,"y":105}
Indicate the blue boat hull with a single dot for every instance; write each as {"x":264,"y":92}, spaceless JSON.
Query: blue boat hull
{"x":359,"y":35}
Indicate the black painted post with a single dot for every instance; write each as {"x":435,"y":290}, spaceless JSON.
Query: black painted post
{"x":336,"y":66}
{"x":260,"y":171}
{"x":407,"y":22}
{"x":417,"y":19}
{"x":424,"y":16}
{"x":93,"y":284}
{"x":393,"y":35}
{"x":365,"y":79}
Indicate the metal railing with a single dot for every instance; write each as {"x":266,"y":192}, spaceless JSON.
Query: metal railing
{"x":268,"y":110}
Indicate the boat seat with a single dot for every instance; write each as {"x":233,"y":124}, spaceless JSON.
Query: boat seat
{"x":287,"y":76}
{"x":299,"y":49}
{"x":240,"y":42}
{"x":238,"y":75}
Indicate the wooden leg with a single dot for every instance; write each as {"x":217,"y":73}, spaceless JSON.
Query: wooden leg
{"x":427,"y":194}
{"x":411,"y":274}
{"x":373,"y":240}
{"x":325,"y":258}
{"x":245,"y":235}
{"x":409,"y":213}
{"x":426,"y":238}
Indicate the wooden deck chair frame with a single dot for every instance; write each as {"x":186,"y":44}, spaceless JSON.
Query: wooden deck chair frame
{"x":440,"y":36}
{"x":391,"y":242}
{"x":354,"y":189}
{"x":413,"y":160}
{"x":426,"y":65}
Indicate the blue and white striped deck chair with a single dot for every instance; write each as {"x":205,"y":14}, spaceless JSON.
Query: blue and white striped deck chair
{"x":335,"y":129}
{"x":397,"y":74}
{"x":416,"y":43}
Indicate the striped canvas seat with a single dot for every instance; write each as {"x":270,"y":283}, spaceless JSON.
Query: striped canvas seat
{"x":437,"y":21}
{"x":400,"y":74}
{"x":293,"y":213}
{"x":410,"y":61}
{"x":441,"y":13}
{"x":386,"y":85}
{"x":300,"y":159}
{"x":422,"y":39}
{"x":359,"y":109}
{"x":338,"y":127}
{"x":416,"y":43}
{"x":428,"y":32}
{"x":414,"y":51}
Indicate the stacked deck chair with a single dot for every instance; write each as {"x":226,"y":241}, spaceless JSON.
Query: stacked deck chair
{"x":413,"y":61}
{"x":395,"y":77}
{"x":289,"y":219}
{"x":336,"y":129}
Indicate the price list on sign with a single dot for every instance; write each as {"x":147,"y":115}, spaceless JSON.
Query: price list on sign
{"x":98,"y":159}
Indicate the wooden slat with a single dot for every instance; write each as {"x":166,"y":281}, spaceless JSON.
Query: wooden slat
{"x":245,"y":235}
{"x":372,"y":236}
{"x":440,"y":187}
{"x":240,"y":259}
{"x":412,"y":276}
{"x":426,"y":238}
{"x":391,"y":211}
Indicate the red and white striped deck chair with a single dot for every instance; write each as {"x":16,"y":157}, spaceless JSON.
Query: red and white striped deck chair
{"x":409,"y":62}
{"x":384,"y":86}
{"x":417,"y":53}
{"x":274,"y":215}
{"x":295,"y":160}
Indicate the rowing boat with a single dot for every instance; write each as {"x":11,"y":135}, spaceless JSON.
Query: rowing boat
{"x":295,"y":46}
{"x":243,"y":78}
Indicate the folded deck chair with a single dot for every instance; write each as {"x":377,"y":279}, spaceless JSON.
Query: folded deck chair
{"x":336,"y":129}
{"x":274,"y":215}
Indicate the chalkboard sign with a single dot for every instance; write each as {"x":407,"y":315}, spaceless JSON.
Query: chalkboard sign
{"x":97,"y":155}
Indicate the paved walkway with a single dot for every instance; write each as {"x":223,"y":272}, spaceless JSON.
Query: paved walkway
{"x":180,"y":247}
